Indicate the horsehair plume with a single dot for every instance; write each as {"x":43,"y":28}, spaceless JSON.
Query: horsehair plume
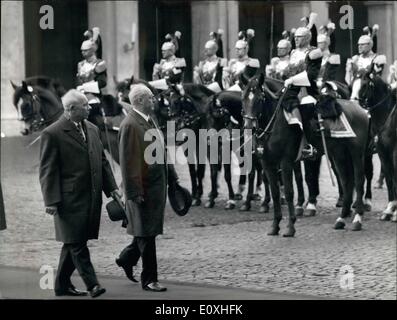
{"x":312,"y":20}
{"x":375,"y":29}
{"x":178,"y":34}
{"x":220,"y":32}
{"x":285,"y":35}
{"x":250,"y":33}
{"x":241,"y":35}
{"x":168,"y":37}
{"x":95,"y":33}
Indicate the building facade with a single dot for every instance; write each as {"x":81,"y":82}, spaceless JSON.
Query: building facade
{"x":133,"y":31}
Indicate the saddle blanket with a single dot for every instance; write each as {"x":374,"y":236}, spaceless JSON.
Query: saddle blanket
{"x":338,"y":128}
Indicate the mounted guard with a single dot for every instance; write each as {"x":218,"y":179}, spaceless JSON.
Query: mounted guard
{"x":303,"y":70}
{"x":91,"y":72}
{"x":171,"y":67}
{"x":364,"y":61}
{"x":243,"y":64}
{"x":278,"y":67}
{"x":209,"y":71}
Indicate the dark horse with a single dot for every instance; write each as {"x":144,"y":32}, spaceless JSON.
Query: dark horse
{"x":225,"y":113}
{"x":38,"y":102}
{"x":378,"y":98}
{"x":186,"y":106}
{"x":281,"y":143}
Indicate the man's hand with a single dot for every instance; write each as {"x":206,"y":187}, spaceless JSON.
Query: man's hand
{"x":52,"y":210}
{"x":288,"y":82}
{"x":138,"y":199}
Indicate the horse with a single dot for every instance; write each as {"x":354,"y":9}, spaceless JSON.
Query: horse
{"x":40,"y":105}
{"x":186,"y":105}
{"x":380,"y":101}
{"x":281,"y":139}
{"x":225,"y":112}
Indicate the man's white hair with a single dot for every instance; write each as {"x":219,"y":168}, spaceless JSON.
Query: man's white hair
{"x":72,"y":98}
{"x":137,"y":92}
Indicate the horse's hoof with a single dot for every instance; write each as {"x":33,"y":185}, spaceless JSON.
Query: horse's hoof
{"x":385,"y":217}
{"x":394,"y":219}
{"x":245,"y":207}
{"x":25,"y":132}
{"x":238,"y":196}
{"x":299,"y":211}
{"x":196,"y":202}
{"x":357,"y":226}
{"x":274,"y":231}
{"x":230,"y":205}
{"x":264,"y":208}
{"x":339,"y":203}
{"x":210,"y":204}
{"x":339,"y":225}
{"x":290,"y":232}
{"x":310,"y":213}
{"x":256,"y":197}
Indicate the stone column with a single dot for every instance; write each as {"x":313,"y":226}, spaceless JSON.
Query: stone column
{"x":210,"y":16}
{"x":12,"y":54}
{"x":295,"y":10}
{"x":384,"y":14}
{"x":115,"y":20}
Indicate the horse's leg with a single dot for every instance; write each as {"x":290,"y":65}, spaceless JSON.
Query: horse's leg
{"x":200,"y":170}
{"x":287,"y":171}
{"x":193,"y":179}
{"x":272,"y":174}
{"x":280,"y":181}
{"x":230,"y":204}
{"x":259,"y":180}
{"x":250,"y":194}
{"x":299,"y":185}
{"x":358,"y":169}
{"x":264,"y":208}
{"x":214,"y":168}
{"x":342,"y":168}
{"x":387,"y":165}
{"x":241,"y":184}
{"x":339,"y":203}
{"x":369,"y":173}
{"x":312,"y":172}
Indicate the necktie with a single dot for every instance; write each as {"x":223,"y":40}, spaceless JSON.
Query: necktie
{"x":80,"y":130}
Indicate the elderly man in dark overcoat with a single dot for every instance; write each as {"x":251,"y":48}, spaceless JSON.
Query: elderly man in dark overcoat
{"x":145,"y":186}
{"x":73,"y":173}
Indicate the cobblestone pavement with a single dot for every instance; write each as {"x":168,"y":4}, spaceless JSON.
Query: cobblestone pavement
{"x":214,"y":246}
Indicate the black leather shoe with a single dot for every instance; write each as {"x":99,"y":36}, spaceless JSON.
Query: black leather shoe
{"x":71,"y":291}
{"x":129,"y":272}
{"x":97,"y":291}
{"x":155,"y":287}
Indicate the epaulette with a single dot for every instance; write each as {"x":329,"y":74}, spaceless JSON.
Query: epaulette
{"x":180,"y":63}
{"x":380,"y":59}
{"x":334,"y":59}
{"x":100,"y":66}
{"x":254,"y":63}
{"x":315,"y":54}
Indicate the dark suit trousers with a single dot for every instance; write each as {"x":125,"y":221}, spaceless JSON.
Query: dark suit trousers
{"x":75,"y":256}
{"x":144,"y":247}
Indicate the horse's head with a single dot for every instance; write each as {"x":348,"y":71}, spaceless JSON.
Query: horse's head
{"x":27,"y":103}
{"x":182,"y":107}
{"x":372,"y":89}
{"x":254,"y":98}
{"x":123,"y":88}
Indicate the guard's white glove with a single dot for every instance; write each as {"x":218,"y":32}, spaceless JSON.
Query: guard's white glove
{"x":288,"y":82}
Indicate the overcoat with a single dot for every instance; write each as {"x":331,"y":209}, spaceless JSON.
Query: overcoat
{"x":73,"y":174}
{"x":141,"y":178}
